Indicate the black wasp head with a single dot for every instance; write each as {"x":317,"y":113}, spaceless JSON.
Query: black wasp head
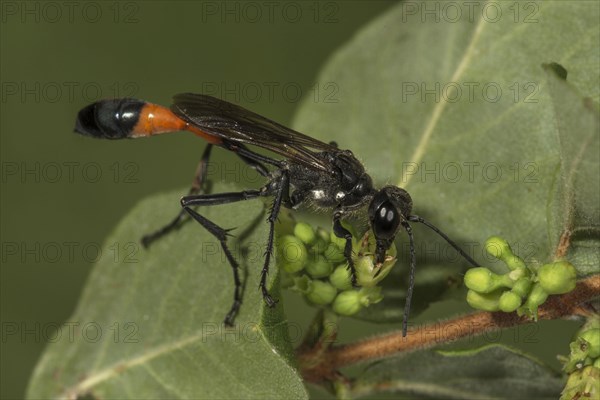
{"x":109,"y":119}
{"x":388,"y":209}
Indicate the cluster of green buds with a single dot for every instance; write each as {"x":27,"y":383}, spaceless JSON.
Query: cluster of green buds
{"x":313,"y":263}
{"x":583,"y":363}
{"x":522,"y":289}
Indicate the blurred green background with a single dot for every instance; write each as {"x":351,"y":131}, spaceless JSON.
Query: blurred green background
{"x":61,"y":193}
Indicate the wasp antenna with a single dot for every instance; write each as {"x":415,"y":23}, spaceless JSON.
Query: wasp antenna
{"x":411,"y":277}
{"x":416,"y":218}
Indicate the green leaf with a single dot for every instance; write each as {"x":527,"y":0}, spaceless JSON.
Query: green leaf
{"x":160,"y":313}
{"x":459,"y":112}
{"x":491,"y":372}
{"x":574,"y":213}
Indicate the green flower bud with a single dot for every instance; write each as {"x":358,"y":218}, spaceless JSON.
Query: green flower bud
{"x":367,"y":245}
{"x":292,"y":254}
{"x":538,"y":295}
{"x":557,"y":278}
{"x":536,"y":298}
{"x":340,"y":278}
{"x":517,"y":274}
{"x":323,"y":234}
{"x":347,"y":303}
{"x":305,"y":233}
{"x":321,"y":293}
{"x":500,"y":249}
{"x":350,"y":302}
{"x":367,"y":273}
{"x":522,"y":287}
{"x":370,"y":295}
{"x":578,"y":356}
{"x":484,"y":301}
{"x":321,"y":241}
{"x":319,"y":246}
{"x":482,"y":280}
{"x":339,"y":242}
{"x":497,"y":247}
{"x":302,"y":284}
{"x":509,"y":301}
{"x":515,"y":262}
{"x":292,"y":267}
{"x":319,"y":267}
{"x":334,"y":254}
{"x":592,"y":338}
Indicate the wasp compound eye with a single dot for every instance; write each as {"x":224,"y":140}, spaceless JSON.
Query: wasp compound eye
{"x":385,"y":221}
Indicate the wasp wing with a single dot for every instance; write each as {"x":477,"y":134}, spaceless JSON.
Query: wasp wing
{"x":237,"y":124}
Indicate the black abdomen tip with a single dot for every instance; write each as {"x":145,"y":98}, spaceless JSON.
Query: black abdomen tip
{"x":109,"y":119}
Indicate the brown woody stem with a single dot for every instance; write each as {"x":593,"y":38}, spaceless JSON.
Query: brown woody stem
{"x":336,"y":357}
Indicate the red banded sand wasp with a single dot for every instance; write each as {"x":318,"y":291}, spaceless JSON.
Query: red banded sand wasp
{"x":307,"y":172}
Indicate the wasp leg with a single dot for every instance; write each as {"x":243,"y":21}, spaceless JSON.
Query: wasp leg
{"x":198,"y":184}
{"x":283,"y":194}
{"x":221,"y":234}
{"x":343,"y":233}
{"x":281,"y":189}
